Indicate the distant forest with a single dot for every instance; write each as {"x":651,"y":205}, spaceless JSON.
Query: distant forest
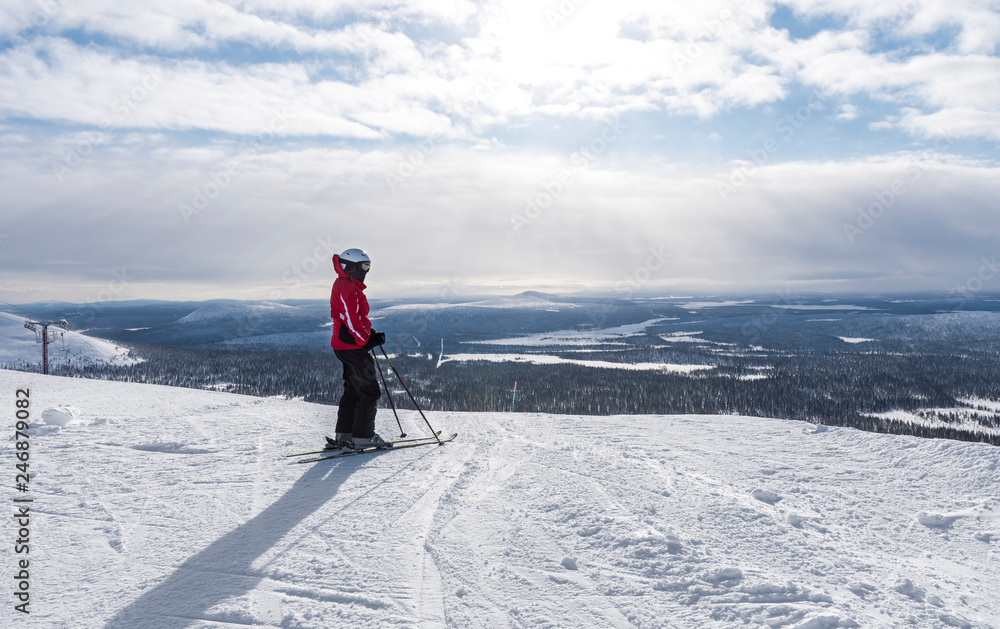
{"x":831,"y":388}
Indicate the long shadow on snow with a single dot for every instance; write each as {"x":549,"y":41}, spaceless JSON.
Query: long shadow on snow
{"x":223,"y":570}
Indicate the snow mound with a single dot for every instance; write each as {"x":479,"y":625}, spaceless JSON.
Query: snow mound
{"x":60,"y":416}
{"x":861,"y":588}
{"x":955,"y":621}
{"x":724,"y":575}
{"x":826,"y":621}
{"x":938,"y":520}
{"x":766,"y":496}
{"x":907,"y":588}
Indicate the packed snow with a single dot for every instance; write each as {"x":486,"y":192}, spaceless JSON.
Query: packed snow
{"x":169,"y":507}
{"x":854,"y":340}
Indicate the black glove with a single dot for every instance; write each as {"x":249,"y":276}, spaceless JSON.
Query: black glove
{"x":375,"y":339}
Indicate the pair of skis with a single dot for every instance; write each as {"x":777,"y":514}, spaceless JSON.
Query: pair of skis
{"x":434,"y":438}
{"x":397,"y":444}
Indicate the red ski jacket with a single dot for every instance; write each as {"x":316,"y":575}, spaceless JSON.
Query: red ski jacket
{"x":349,"y":311}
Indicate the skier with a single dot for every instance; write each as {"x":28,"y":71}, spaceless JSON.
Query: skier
{"x":353,"y":338}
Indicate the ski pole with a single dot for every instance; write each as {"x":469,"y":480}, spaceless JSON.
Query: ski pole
{"x":405,"y":388}
{"x":389,"y":395}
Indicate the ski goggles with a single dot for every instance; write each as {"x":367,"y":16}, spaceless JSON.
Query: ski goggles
{"x":365,"y":266}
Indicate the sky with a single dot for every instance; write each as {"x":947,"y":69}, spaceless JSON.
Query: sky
{"x":189,"y":149}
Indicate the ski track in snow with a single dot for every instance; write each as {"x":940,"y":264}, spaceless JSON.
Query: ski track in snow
{"x":168,"y":507}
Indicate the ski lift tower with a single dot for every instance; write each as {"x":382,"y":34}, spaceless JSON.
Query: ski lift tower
{"x":43,"y":338}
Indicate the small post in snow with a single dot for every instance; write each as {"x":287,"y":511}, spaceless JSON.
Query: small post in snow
{"x":513,"y":398}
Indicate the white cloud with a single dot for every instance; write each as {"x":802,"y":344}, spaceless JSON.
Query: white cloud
{"x":951,"y":123}
{"x":694,"y":59}
{"x":176,"y":25}
{"x":977,"y":20}
{"x":845,"y":112}
{"x":955,"y":86}
{"x":403,"y":86}
{"x":453,"y":213}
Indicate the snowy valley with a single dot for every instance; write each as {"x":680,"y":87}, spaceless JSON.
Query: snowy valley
{"x":924,"y":366}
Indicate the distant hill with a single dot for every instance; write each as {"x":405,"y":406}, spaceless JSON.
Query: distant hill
{"x":221,"y":324}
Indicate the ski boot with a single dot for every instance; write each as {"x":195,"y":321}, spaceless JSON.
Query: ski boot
{"x":341,"y":441}
{"x":374,"y":441}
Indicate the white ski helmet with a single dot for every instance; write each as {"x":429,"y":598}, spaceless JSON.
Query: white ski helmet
{"x":355,"y":258}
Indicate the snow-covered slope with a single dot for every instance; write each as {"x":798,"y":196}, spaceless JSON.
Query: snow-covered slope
{"x":17,"y":344}
{"x":168,"y":507}
{"x":217,"y":313}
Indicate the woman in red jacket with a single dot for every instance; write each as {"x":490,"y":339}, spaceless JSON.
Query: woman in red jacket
{"x":353,"y":339}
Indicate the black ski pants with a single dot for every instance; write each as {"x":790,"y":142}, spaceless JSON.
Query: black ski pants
{"x":356,"y":414}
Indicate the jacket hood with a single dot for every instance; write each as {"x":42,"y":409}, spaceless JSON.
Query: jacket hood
{"x":342,"y":274}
